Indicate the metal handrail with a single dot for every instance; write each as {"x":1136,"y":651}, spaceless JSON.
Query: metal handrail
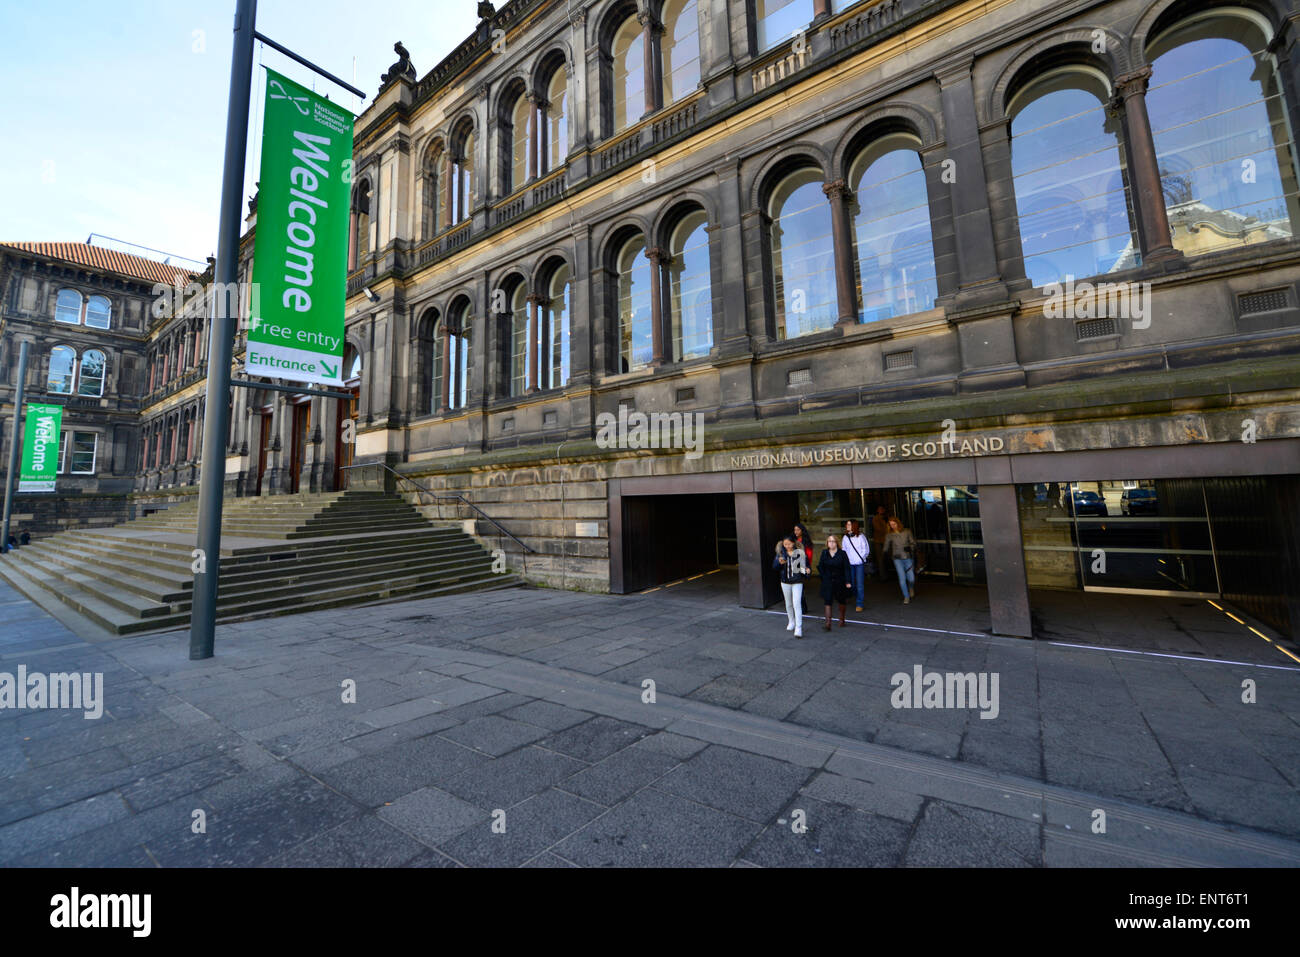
{"x":455,"y":496}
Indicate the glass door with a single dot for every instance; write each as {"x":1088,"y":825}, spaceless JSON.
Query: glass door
{"x":927,"y":514}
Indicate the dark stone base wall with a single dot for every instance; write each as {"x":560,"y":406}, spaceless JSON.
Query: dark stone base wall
{"x":47,"y":514}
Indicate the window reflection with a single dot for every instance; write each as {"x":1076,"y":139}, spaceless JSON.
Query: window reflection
{"x":803,"y":256}
{"x":690,"y":288}
{"x":1072,"y":198}
{"x":894,"y":255}
{"x":1221,"y":137}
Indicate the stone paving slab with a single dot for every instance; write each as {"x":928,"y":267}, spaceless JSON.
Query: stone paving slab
{"x":512,"y":760}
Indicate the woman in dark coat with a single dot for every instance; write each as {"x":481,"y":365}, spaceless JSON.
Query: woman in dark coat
{"x":833,"y":567}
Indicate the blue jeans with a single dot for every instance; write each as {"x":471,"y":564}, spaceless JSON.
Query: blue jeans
{"x":858,"y":576}
{"x":906,"y":577}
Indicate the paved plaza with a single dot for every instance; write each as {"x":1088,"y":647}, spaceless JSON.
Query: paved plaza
{"x":516,"y":728}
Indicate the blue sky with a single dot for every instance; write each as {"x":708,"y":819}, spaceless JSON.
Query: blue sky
{"x":116,"y":111}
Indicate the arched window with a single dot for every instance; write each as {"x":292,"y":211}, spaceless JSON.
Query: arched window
{"x":94,"y":367}
{"x":779,"y":20}
{"x":690,"y":288}
{"x":98,"y":312}
{"x":635,"y":319}
{"x":1072,"y":197}
{"x":680,"y":47}
{"x":519,"y":342}
{"x":67,"y":307}
{"x":553,"y":324}
{"x":1221,"y":134}
{"x":803,"y":255}
{"x":629,"y":74}
{"x":894,"y":250}
{"x":63,"y":364}
{"x":433,"y":202}
{"x":460,"y":176}
{"x":352,"y":369}
{"x":518,"y":132}
{"x":557,"y":124}
{"x":453,"y":342}
{"x":425,"y":398}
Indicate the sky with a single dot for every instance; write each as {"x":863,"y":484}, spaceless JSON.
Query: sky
{"x":115,"y":112}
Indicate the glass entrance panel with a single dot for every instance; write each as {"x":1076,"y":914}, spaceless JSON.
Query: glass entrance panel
{"x":1147,"y":535}
{"x":1143,"y":535}
{"x":825,"y":512}
{"x":928,"y":516}
{"x":965,"y":533}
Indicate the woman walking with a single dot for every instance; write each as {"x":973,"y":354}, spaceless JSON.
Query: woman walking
{"x":901,"y":547}
{"x":837,"y":585}
{"x":802,"y":539}
{"x":792,"y":563}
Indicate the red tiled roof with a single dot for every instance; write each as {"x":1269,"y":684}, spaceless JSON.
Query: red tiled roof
{"x":110,"y":260}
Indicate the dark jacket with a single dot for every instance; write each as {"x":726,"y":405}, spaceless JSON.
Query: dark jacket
{"x":835,"y":576}
{"x":794,"y":571}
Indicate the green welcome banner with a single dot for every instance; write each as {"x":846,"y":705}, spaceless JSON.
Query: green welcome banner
{"x":300,"y":255}
{"x":40,"y":448}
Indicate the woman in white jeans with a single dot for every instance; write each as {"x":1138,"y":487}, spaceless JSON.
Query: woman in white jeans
{"x":792,"y":562}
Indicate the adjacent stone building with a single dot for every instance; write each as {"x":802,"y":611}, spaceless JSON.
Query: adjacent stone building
{"x":86,"y":312}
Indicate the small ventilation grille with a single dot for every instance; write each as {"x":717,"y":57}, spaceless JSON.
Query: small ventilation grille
{"x":628,"y":404}
{"x":550,"y":418}
{"x":1270,"y":300}
{"x":900,"y":360}
{"x":507,"y":425}
{"x":1095,"y":329}
{"x":799,"y":377}
{"x":685,"y":395}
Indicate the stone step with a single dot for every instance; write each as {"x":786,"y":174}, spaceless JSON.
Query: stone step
{"x":167,"y":553}
{"x":291,"y":554}
{"x":112,"y":619}
{"x":243,"y":580}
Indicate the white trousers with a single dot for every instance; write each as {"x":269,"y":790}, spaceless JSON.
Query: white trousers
{"x":793,"y":604}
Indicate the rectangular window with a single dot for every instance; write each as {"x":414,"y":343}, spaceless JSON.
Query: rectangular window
{"x":63,"y":452}
{"x":84,"y":445}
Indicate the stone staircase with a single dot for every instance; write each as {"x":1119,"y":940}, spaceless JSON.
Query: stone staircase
{"x":280,"y":555}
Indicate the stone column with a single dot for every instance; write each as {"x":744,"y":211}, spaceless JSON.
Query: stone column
{"x":534,"y":346}
{"x":444,"y":391}
{"x":751,"y":552}
{"x":972,"y":220}
{"x":656,"y":256}
{"x":1004,"y":558}
{"x":846,"y":293}
{"x":449,"y":190}
{"x":533,"y":136}
{"x":726,"y":257}
{"x":650,"y":28}
{"x":1149,"y":195}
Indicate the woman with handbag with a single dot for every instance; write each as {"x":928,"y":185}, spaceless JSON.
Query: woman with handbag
{"x":900,"y":545}
{"x":792,"y":563}
{"x":833,"y":566}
